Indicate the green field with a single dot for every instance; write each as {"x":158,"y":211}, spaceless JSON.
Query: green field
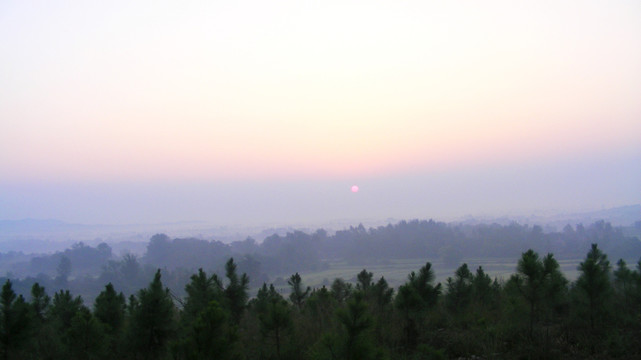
{"x":396,"y":271}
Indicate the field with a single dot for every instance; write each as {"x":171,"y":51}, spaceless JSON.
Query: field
{"x":396,"y":271}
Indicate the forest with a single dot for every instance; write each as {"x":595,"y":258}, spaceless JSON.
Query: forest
{"x":535,"y":314}
{"x":84,"y":269}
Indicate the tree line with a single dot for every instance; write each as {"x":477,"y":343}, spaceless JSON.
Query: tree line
{"x":357,"y":245}
{"x":84,"y":269}
{"x":537,"y":314}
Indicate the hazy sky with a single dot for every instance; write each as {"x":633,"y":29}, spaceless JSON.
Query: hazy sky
{"x":149,"y":111}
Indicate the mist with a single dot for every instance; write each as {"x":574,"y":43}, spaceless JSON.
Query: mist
{"x":493,"y":190}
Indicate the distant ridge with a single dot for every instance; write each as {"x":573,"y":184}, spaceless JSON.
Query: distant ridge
{"x":625,"y":214}
{"x":618,"y":216}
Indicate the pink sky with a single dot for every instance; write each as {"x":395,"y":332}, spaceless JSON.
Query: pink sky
{"x":335,"y":90}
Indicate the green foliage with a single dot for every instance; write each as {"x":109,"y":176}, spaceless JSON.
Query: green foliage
{"x":321,"y":306}
{"x":209,"y":336}
{"x":540,"y":283}
{"x":275,"y":319}
{"x":64,"y":307}
{"x":379,"y":298}
{"x":418,"y":293}
{"x":594,"y":287}
{"x":45,"y":342}
{"x":85,"y":336}
{"x":382,"y":293}
{"x":626,"y":288}
{"x":213,"y":335}
{"x":364,"y":281}
{"x":426,"y":352}
{"x":459,"y":289}
{"x":297,"y":295}
{"x":341,"y":290}
{"x":414,"y":298}
{"x":527,"y":317}
{"x":40,"y":302}
{"x":357,"y":322}
{"x":201,"y":291}
{"x":637,"y":286}
{"x":555,"y":289}
{"x":14,"y":322}
{"x":236,"y":291}
{"x":328,"y":346}
{"x":110,"y":313}
{"x":152,"y":320}
{"x":623,"y":279}
{"x":205,"y":327}
{"x":109,"y":309}
{"x":482,"y":289}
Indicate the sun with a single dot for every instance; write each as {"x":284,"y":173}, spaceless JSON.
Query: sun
{"x":354,"y":188}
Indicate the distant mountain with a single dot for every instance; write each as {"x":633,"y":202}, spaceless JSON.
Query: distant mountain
{"x":617,"y":216}
{"x":623,"y":215}
{"x":23,"y":233}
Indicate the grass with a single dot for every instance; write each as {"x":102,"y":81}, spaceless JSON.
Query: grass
{"x":396,"y":271}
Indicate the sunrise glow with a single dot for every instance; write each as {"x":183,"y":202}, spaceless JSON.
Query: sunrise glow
{"x":291,"y":89}
{"x":277,"y":91}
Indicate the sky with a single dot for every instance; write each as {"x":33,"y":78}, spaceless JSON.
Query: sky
{"x":269,"y":111}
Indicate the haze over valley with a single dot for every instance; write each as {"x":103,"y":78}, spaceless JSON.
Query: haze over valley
{"x":320,"y":180}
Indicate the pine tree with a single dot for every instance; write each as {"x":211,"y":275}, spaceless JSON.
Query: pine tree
{"x":236,"y":291}
{"x":63,"y":309}
{"x":297,"y":295}
{"x":380,"y":300}
{"x":341,"y":290}
{"x":459,"y":289}
{"x":414,"y":297}
{"x":109,"y":309}
{"x":364,"y":281}
{"x":321,"y":305}
{"x":85,"y":336}
{"x":205,"y":330}
{"x":594,"y":285}
{"x":275,"y":318}
{"x":636,"y":293}
{"x":40,"y":302}
{"x":211,"y":336}
{"x":624,"y":285}
{"x":152,"y":320}
{"x":482,"y":287}
{"x":555,"y":288}
{"x":529,"y":281}
{"x":357,"y":323}
{"x":538,"y":281}
{"x":383,"y":294}
{"x":14,"y":322}
{"x":43,"y":343}
{"x":201,"y":291}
